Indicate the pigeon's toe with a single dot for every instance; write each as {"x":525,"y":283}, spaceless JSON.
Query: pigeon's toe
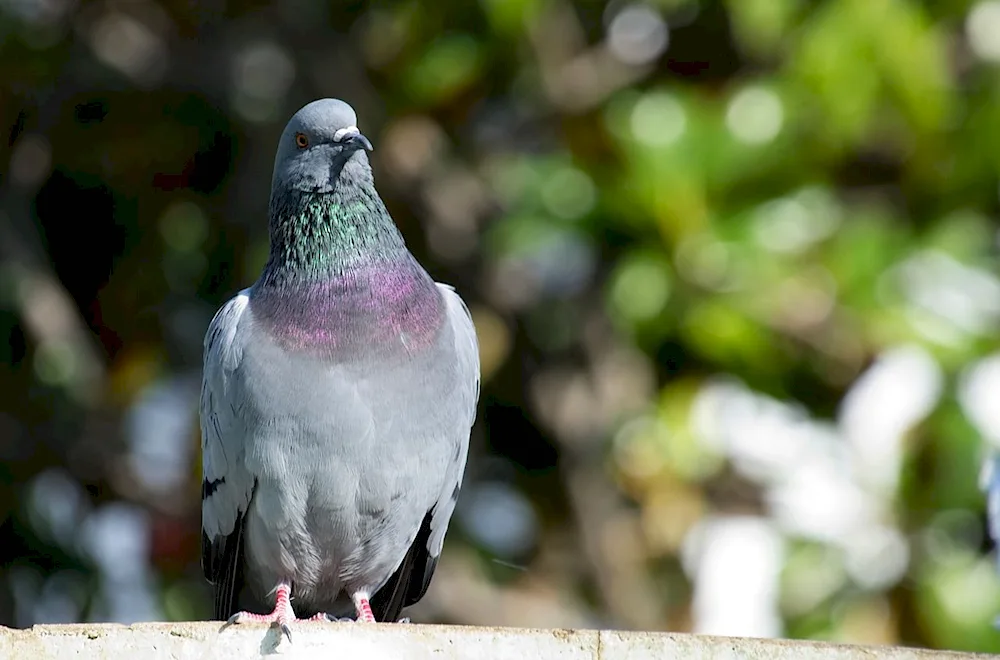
{"x":281,"y":616}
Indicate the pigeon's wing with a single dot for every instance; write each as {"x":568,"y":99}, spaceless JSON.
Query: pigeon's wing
{"x":989,"y":481}
{"x":467,"y":348}
{"x":410,"y":581}
{"x":226,"y":484}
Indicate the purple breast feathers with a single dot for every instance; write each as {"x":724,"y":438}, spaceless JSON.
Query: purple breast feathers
{"x":375,"y":308}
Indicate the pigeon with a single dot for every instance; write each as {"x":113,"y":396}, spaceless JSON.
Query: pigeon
{"x":989,"y":483}
{"x":338,"y":396}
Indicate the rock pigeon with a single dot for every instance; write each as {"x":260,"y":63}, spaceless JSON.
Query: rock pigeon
{"x":338,"y":396}
{"x":989,"y":482}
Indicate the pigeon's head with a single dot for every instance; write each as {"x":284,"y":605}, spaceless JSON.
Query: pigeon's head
{"x":320,"y":144}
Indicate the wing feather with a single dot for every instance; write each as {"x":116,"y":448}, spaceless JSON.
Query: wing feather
{"x":467,"y":348}
{"x":227,"y":486}
{"x":413,"y":576}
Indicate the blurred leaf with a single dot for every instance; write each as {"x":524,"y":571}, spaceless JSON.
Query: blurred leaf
{"x":724,"y":335}
{"x":957,"y":600}
{"x":833,"y":61}
{"x":640,"y":288}
{"x":511,"y":17}
{"x":448,"y":65}
{"x":761,"y":25}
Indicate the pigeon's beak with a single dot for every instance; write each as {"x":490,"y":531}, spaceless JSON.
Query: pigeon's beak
{"x":351,"y":137}
{"x":361,"y":141}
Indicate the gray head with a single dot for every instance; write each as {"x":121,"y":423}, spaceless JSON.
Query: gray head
{"x":320,"y":143}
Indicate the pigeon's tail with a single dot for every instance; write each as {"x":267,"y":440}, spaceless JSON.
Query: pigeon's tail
{"x":229,"y":579}
{"x":222,"y":562}
{"x":409,"y":583}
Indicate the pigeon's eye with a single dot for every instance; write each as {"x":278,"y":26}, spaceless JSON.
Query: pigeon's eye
{"x":301,"y":141}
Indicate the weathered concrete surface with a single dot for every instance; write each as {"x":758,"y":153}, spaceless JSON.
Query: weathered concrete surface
{"x":191,"y":641}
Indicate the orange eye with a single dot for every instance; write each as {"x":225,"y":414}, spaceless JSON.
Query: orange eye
{"x":301,"y":141}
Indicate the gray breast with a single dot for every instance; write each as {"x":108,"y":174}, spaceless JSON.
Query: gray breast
{"x":349,"y":457}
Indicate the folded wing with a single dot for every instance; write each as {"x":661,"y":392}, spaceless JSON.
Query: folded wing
{"x":227,"y":486}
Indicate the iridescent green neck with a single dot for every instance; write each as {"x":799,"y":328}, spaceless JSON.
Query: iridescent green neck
{"x":319,"y":235}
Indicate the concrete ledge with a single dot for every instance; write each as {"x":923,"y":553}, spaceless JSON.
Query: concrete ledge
{"x":183,"y":641}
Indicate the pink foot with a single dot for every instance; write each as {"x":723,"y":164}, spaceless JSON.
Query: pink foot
{"x":283,"y":615}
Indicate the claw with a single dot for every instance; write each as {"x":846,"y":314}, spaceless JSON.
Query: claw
{"x":281,"y":616}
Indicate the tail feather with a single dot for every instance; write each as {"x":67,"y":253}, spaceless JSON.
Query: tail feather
{"x":409,"y":582}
